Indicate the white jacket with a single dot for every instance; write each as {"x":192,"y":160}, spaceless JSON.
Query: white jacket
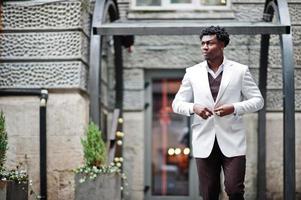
{"x":238,"y":88}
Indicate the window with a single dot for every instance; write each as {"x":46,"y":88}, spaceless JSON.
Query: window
{"x":179,"y":4}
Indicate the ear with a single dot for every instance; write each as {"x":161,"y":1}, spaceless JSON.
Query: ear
{"x":222,"y":45}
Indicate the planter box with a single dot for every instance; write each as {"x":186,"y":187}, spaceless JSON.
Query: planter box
{"x":10,"y":190}
{"x":104,"y":187}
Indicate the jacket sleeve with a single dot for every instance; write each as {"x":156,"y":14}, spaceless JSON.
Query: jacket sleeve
{"x":253,"y":100}
{"x":182,"y":104}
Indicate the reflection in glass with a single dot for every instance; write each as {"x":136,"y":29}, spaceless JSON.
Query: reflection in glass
{"x":148,"y":2}
{"x":213,"y":2}
{"x":170,"y":142}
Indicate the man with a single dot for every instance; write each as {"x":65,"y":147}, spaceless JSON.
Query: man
{"x":217,"y":92}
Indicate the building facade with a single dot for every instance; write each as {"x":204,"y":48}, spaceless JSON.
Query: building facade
{"x":45,"y":44}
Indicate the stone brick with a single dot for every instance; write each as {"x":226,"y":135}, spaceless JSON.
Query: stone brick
{"x":104,"y":94}
{"x":274,"y":58}
{"x":44,"y":16}
{"x":111,"y":98}
{"x":161,"y":40}
{"x":73,"y":160}
{"x":133,"y":79}
{"x":53,"y":188}
{"x":294,"y":13}
{"x":239,"y":54}
{"x":274,"y":100}
{"x":44,"y":45}
{"x":297,"y":56}
{"x":104,"y":72}
{"x":274,"y":80}
{"x":133,"y":100}
{"x":274,"y":140}
{"x":67,"y":114}
{"x":298,"y":152}
{"x":66,"y":185}
{"x":296,"y":33}
{"x":44,"y":75}
{"x":134,"y":150}
{"x":19,"y":122}
{"x":30,"y":144}
{"x":251,"y":12}
{"x":135,"y":195}
{"x":244,"y":40}
{"x":162,"y":57}
{"x":250,"y":121}
{"x":252,"y":40}
{"x":111,"y":80}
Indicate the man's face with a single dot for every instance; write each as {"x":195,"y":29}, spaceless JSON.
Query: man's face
{"x":211,"y":47}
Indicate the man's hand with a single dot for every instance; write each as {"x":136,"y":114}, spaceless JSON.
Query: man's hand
{"x":223,"y":110}
{"x":201,"y":111}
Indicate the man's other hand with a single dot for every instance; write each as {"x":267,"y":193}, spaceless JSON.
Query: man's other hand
{"x":224,"y":110}
{"x":201,"y":111}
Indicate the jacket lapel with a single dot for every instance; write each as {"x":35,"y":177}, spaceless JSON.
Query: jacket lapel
{"x":224,"y":82}
{"x":204,"y":78}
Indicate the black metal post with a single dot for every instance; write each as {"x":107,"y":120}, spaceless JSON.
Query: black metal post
{"x":261,"y":144}
{"x":95,"y":77}
{"x":288,"y":117}
{"x":119,"y":92}
{"x":118,"y":73}
{"x":20,"y":92}
{"x":43,"y":145}
{"x":286,"y":41}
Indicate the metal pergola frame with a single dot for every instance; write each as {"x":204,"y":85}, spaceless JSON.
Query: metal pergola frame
{"x":276,"y":21}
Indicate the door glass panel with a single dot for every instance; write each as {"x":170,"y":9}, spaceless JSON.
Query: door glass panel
{"x":170,"y":142}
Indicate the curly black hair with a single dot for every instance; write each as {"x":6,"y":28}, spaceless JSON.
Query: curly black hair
{"x":221,"y":34}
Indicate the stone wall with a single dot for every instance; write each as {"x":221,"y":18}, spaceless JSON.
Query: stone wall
{"x":45,"y":44}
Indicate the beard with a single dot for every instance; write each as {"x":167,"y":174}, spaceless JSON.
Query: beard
{"x":207,"y":57}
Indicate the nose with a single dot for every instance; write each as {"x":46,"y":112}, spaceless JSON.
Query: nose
{"x":205,"y":46}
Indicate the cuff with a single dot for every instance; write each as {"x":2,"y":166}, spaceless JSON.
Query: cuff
{"x":237,"y":109}
{"x":191,"y":109}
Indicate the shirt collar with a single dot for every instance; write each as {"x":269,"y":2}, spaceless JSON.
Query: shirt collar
{"x":217,"y":73}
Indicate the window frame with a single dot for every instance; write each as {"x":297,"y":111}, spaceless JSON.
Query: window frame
{"x":166,"y":5}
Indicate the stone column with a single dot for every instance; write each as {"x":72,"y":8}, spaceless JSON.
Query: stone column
{"x":45,"y":45}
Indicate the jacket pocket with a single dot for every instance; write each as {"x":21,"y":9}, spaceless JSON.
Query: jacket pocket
{"x":195,"y":124}
{"x":237,"y":126}
{"x":238,"y":123}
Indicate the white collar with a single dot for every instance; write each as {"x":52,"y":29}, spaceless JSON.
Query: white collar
{"x":217,"y":73}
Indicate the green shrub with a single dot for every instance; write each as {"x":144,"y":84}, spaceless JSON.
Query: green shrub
{"x":94,"y":147}
{"x":3,"y":140}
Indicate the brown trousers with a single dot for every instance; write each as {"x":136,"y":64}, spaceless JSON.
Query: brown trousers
{"x":209,"y":170}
